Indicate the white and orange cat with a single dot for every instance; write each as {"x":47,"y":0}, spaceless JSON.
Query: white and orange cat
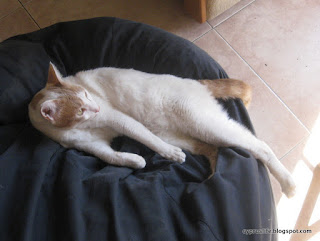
{"x":164,"y":112}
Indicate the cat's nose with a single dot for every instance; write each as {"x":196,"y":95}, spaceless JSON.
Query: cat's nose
{"x":97,"y":109}
{"x":94,"y":108}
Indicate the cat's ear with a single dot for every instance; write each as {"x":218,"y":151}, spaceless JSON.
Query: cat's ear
{"x":49,"y":110}
{"x":54,"y":77}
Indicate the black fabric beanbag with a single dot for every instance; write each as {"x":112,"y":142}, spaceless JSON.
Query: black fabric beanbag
{"x":48,"y":192}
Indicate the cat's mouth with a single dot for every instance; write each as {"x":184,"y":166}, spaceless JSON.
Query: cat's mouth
{"x":97,"y":111}
{"x":95,"y":115}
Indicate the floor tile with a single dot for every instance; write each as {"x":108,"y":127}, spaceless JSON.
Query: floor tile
{"x":230,"y":12}
{"x":280,"y":40}
{"x":167,"y":14}
{"x":18,"y":22}
{"x":8,"y":6}
{"x":302,"y":168}
{"x":301,"y":162}
{"x":290,"y":161}
{"x":271,"y":119}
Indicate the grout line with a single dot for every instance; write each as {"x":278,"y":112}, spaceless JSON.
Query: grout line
{"x":29,"y":14}
{"x":10,"y":13}
{"x":239,"y":10}
{"x":294,"y":147}
{"x":305,"y":160}
{"x":202,"y":34}
{"x":266,"y":84}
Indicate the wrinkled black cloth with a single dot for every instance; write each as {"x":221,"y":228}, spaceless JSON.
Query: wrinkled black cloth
{"x":48,"y":192}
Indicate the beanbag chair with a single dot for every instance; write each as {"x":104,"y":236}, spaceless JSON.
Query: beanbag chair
{"x":48,"y":192}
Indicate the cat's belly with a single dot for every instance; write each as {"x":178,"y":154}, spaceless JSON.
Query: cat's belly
{"x":156,"y":118}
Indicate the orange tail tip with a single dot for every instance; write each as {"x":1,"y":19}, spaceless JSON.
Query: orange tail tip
{"x":229,"y":88}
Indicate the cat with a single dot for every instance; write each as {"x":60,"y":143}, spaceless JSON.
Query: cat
{"x":164,"y":112}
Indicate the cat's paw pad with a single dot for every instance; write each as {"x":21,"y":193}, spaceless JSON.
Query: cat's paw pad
{"x":289,"y":187}
{"x":175,"y":154}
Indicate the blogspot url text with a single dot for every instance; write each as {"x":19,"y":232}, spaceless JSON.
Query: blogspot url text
{"x":274,"y":231}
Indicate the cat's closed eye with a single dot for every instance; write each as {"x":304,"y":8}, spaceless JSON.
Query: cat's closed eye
{"x":86,"y":94}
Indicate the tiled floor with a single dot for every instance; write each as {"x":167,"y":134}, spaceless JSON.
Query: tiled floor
{"x":273,"y":45}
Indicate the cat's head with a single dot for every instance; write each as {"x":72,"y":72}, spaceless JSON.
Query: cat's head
{"x":63,"y":104}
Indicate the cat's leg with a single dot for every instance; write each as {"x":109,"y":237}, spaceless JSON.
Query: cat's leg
{"x":97,"y":142}
{"x":222,"y":131}
{"x":128,"y":126}
{"x":102,"y":150}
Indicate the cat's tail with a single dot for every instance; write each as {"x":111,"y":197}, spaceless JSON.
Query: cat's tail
{"x":229,"y":88}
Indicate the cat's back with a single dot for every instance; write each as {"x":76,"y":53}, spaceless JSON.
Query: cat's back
{"x":132,"y":86}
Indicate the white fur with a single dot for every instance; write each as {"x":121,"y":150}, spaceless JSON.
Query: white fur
{"x":164,"y":112}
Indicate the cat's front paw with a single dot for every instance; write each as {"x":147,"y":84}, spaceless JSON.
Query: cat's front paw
{"x":130,"y":160}
{"x":174,"y":153}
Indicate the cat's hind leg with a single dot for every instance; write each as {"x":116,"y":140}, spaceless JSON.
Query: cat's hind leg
{"x":217,"y":129}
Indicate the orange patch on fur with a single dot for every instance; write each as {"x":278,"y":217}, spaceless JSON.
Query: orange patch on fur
{"x":209,"y":151}
{"x":229,"y":88}
{"x":67,"y":103}
{"x":36,"y":99}
{"x":52,"y":77}
{"x":68,"y":108}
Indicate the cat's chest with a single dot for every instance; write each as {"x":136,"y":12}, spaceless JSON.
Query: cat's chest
{"x":80,"y":135}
